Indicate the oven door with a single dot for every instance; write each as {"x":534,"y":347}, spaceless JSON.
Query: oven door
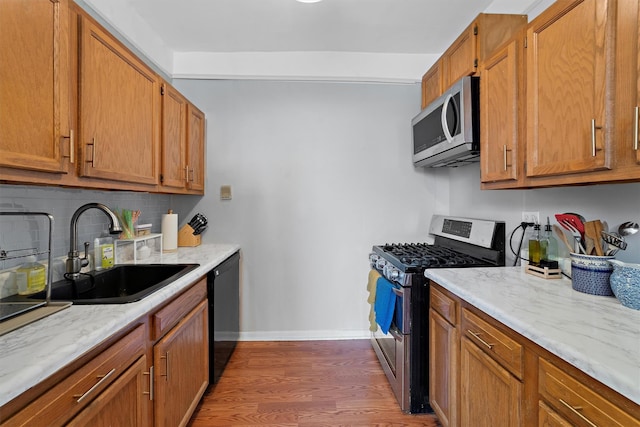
{"x":393,"y":348}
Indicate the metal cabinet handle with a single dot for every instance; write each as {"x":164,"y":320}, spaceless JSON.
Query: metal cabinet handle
{"x":166,"y":370}
{"x":476,"y":335}
{"x":635,"y":128}
{"x":93,"y":144}
{"x":593,"y":136}
{"x":504,"y":154}
{"x":576,"y":410}
{"x":72,"y":154}
{"x":186,"y":173}
{"x":150,"y":392}
{"x":192,"y":171}
{"x":103,"y":378}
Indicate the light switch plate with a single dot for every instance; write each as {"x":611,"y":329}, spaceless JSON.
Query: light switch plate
{"x":225,"y":192}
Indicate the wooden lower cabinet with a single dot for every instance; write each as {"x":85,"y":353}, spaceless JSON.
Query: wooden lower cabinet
{"x":443,"y":357}
{"x":547,"y":417}
{"x":155,"y":374}
{"x":124,"y":403}
{"x":489,"y":395}
{"x":482,"y":373}
{"x":181,"y":374}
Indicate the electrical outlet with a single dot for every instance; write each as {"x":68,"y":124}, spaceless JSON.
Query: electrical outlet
{"x":531,"y":217}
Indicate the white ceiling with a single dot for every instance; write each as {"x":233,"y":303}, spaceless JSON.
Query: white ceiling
{"x":254,"y":38}
{"x":380,"y":26}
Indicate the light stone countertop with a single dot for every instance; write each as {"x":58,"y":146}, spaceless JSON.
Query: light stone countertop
{"x":34,"y":352}
{"x":596,"y":334}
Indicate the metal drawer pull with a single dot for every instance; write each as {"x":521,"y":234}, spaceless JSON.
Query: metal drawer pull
{"x":150,"y":392}
{"x":476,"y":335}
{"x":593,"y":136}
{"x":166,"y":359}
{"x":576,"y":410}
{"x":103,"y":378}
{"x":635,"y":129}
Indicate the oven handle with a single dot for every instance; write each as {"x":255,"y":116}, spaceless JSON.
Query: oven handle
{"x":398,"y":291}
{"x":396,"y":335}
{"x":443,"y":118}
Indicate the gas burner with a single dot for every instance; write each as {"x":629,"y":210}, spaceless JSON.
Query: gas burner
{"x":418,"y":256}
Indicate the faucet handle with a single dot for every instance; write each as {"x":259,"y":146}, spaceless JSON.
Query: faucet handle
{"x":85,"y":260}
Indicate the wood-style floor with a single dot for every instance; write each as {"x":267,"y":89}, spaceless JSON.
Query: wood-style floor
{"x":305,"y":384}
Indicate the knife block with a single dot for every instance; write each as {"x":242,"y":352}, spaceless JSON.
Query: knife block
{"x":186,"y":237}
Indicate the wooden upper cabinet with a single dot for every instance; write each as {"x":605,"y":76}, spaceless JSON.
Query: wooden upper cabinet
{"x":501,"y":118}
{"x":486,"y":33}
{"x":569,"y":111}
{"x":636,"y":110}
{"x":465,"y":55}
{"x":195,"y":148}
{"x":432,"y":84}
{"x":34,"y":85}
{"x":119,"y":110}
{"x":174,"y":138}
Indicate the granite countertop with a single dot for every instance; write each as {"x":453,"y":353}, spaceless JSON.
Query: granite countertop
{"x":593,"y":333}
{"x":34,"y":352}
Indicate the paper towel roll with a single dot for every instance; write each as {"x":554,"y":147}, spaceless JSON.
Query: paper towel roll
{"x":169,"y":232}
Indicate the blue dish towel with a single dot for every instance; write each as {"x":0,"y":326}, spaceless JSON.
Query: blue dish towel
{"x":385,"y":304}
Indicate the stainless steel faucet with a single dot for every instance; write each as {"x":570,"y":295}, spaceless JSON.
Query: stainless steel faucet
{"x":74,"y":262}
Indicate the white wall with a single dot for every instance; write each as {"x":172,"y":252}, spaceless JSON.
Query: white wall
{"x":614,"y":203}
{"x":320,"y":172}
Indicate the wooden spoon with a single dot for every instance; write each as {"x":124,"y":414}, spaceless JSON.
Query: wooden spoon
{"x":562,"y":237}
{"x":593,"y":230}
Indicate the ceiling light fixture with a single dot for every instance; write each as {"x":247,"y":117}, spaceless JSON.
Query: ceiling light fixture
{"x":308,"y":1}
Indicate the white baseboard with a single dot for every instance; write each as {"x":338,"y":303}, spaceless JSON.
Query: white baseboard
{"x":303,"y":335}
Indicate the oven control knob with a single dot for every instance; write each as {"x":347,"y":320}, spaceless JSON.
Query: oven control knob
{"x":373,"y":259}
{"x":391,"y":272}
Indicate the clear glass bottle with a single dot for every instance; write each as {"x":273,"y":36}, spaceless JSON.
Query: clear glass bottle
{"x":535,"y":248}
{"x":552,"y":245}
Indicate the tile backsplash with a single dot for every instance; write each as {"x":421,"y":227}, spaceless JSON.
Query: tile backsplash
{"x":31,"y":232}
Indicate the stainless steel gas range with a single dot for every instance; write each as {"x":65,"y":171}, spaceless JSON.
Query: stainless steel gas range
{"x":404,"y":350}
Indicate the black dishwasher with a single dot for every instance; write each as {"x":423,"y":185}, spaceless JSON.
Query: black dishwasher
{"x":223,"y":288}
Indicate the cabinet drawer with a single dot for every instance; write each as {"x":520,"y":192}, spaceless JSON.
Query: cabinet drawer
{"x":64,"y":400}
{"x":494,"y":342}
{"x":577,"y":402}
{"x":168,"y":316}
{"x":444,"y":305}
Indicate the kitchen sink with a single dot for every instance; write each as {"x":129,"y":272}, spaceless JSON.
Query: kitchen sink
{"x":118,"y":285}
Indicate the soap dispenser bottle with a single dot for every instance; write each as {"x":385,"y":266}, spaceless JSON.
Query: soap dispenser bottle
{"x":30,"y":276}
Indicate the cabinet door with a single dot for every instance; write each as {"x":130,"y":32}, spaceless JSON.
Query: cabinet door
{"x":490,"y":395}
{"x":174,"y":138}
{"x":123,"y":403}
{"x":34,"y":84}
{"x":461,"y":59}
{"x":568,"y":113}
{"x":443,"y":368}
{"x":119,"y":110}
{"x":636,"y":115}
{"x":195,"y":145}
{"x":432,"y":84}
{"x":500,"y":97}
{"x":547,"y":417}
{"x":181,"y":361}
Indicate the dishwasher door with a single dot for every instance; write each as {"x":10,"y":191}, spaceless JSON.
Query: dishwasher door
{"x":223,"y":287}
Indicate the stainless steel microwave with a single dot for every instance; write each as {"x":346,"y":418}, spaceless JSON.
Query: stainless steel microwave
{"x":447,"y":132}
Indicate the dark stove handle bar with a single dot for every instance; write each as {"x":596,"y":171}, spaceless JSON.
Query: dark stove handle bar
{"x":396,"y":334}
{"x":398,"y":291}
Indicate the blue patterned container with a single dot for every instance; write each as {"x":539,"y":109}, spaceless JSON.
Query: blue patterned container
{"x":590,"y":274}
{"x":625,"y":283}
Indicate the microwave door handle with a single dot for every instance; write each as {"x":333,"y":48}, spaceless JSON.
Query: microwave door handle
{"x":443,"y":118}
